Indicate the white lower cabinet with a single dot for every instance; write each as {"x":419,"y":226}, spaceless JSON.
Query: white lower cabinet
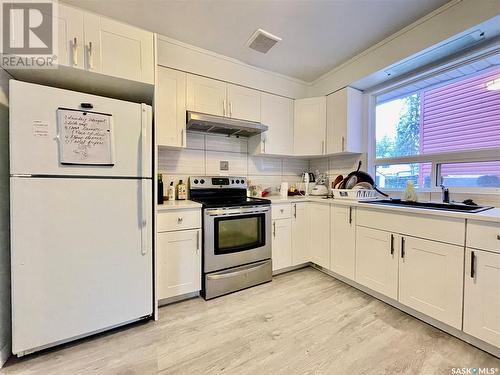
{"x":300,"y":233}
{"x":178,"y":253}
{"x":482,"y":295}
{"x":179,"y":263}
{"x":377,"y":257}
{"x":343,"y":244}
{"x":320,"y":233}
{"x":282,"y":244}
{"x":431,"y":279}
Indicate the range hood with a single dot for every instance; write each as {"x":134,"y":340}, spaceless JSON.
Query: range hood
{"x":201,"y":122}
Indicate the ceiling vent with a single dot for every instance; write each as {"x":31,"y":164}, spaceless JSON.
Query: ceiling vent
{"x":436,"y":53}
{"x":262,"y":41}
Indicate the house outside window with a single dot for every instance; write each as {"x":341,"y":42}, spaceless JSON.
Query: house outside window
{"x":442,"y":130}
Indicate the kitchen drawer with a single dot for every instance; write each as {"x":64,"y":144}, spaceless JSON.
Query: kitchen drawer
{"x":281,"y":211}
{"x":170,"y":220}
{"x":437,"y":228}
{"x":483,"y":235}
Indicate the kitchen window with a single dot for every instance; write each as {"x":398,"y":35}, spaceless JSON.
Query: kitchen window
{"x":443,"y":129}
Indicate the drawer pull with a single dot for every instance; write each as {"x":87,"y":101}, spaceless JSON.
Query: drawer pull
{"x":498,"y":237}
{"x":282,"y":210}
{"x":179,"y":219}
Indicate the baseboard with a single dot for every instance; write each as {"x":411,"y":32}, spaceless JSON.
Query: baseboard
{"x":291,"y":268}
{"x":493,"y":350}
{"x":183,"y":297}
{"x":5,"y":353}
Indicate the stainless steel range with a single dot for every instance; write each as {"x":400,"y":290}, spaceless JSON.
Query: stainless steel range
{"x":236,"y":235}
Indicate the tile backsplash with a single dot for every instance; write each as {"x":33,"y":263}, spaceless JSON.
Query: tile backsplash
{"x":203,"y":155}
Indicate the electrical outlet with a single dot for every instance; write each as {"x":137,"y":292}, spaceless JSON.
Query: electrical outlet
{"x":224,"y":165}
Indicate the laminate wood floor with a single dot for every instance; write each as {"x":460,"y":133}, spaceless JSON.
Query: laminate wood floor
{"x":304,"y":322}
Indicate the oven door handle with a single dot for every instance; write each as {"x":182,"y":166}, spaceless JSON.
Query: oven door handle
{"x":236,"y":212}
{"x":241,"y":270}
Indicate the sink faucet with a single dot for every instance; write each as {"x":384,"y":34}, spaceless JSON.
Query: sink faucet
{"x":445,"y":194}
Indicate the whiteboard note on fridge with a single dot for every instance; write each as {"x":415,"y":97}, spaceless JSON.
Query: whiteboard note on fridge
{"x":85,"y":137}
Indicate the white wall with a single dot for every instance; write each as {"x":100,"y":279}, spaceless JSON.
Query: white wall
{"x":451,"y":19}
{"x":204,"y":153}
{"x":5,"y":325}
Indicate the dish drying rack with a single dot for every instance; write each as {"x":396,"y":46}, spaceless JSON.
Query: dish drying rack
{"x":354,"y":194}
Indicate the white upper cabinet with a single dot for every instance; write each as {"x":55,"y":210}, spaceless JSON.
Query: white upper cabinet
{"x":320,"y":233}
{"x":70,"y":35}
{"x":219,"y":98}
{"x":170,"y":108}
{"x":482,"y":295}
{"x":277,"y":114}
{"x":309,"y":126}
{"x":206,"y":95}
{"x":344,"y":113}
{"x":431,"y":278}
{"x":377,"y":260}
{"x":343,"y":244}
{"x":119,"y":50}
{"x":91,"y":42}
{"x":243,"y":103}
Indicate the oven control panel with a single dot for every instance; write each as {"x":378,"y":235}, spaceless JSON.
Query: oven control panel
{"x":217,"y":182}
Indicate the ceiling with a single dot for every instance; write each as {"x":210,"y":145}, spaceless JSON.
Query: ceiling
{"x":318,"y":35}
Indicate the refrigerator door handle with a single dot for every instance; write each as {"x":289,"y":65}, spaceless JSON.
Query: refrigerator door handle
{"x":145,"y":215}
{"x":144,"y":136}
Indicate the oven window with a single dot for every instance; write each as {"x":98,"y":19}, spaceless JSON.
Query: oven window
{"x":239,"y":233}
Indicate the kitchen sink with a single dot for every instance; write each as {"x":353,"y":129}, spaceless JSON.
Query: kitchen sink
{"x":458,"y":207}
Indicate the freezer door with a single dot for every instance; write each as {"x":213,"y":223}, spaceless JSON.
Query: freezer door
{"x":34,"y":143}
{"x":81,"y":257}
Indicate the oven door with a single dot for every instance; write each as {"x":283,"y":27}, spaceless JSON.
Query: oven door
{"x":236,"y":236}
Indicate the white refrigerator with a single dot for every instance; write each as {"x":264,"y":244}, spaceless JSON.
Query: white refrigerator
{"x":81,"y":214}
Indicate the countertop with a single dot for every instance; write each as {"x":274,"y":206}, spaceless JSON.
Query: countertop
{"x":492,"y":215}
{"x":177,"y":205}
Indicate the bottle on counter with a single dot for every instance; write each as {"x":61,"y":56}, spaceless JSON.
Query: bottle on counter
{"x":160,"y":189}
{"x":171,"y":191}
{"x":181,"y":191}
{"x":410,"y":193}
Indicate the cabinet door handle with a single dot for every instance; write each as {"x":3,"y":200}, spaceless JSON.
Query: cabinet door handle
{"x":224,"y":107}
{"x":472,"y":264}
{"x":498,"y":237}
{"x":182,"y":137}
{"x":392,"y":244}
{"x":322,"y":147}
{"x":402,"y":247}
{"x":350,"y":214}
{"x":343,"y":143}
{"x":91,"y":56}
{"x":197,"y":241}
{"x":230,"y":109}
{"x":295,"y":210}
{"x":274,"y":229}
{"x":74,"y":47}
{"x":264,"y":145}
